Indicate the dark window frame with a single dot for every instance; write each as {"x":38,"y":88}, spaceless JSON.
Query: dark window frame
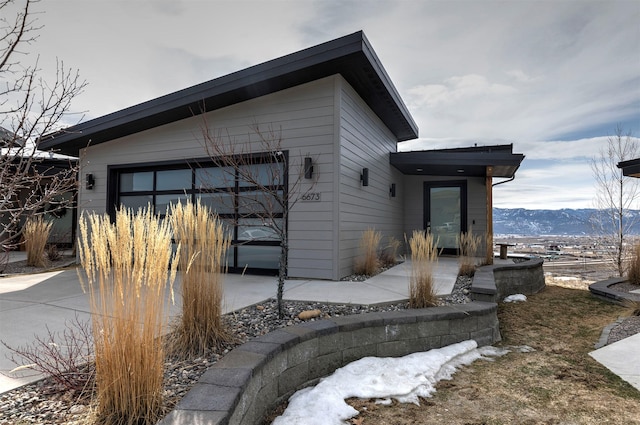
{"x":113,"y":194}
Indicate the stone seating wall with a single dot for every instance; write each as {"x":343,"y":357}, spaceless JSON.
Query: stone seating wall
{"x":257,"y":376}
{"x":493,"y":283}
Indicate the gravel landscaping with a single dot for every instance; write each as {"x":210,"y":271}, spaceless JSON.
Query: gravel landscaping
{"x":41,"y":402}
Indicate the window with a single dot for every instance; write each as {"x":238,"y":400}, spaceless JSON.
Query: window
{"x":234,"y":195}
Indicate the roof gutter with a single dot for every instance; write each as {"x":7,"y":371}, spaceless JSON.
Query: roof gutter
{"x":504,"y":181}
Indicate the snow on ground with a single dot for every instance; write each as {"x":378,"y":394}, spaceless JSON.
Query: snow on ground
{"x":515,"y":298}
{"x":404,"y":379}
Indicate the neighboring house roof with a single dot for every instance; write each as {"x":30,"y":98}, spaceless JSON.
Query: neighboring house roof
{"x":9,"y":139}
{"x":630,"y":168}
{"x":464,"y":162}
{"x":350,"y":56}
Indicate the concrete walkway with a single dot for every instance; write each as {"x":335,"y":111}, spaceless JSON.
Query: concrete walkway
{"x":621,"y":358}
{"x":31,"y":303}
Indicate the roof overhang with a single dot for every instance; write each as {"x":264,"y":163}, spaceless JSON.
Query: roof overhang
{"x":462,"y":162}
{"x":350,"y":56}
{"x":630,"y":168}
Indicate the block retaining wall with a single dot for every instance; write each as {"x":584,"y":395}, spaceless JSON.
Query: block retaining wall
{"x":255,"y":377}
{"x":493,"y":283}
{"x":601,"y":290}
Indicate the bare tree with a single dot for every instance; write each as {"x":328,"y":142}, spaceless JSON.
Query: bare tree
{"x":616,"y":195}
{"x":30,"y":107}
{"x":275,"y":180}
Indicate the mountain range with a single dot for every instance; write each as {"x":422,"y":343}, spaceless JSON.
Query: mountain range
{"x":564,"y":222}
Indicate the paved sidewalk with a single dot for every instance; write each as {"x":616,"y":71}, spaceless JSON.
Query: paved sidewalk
{"x":621,"y":358}
{"x":30,"y":303}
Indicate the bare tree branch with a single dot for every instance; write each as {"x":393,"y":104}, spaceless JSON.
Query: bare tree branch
{"x":273,"y":180}
{"x":31,"y":182}
{"x":616,"y":195}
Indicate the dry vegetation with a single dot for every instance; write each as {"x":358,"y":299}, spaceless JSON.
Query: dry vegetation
{"x":559,"y":383}
{"x":424,"y":256}
{"x":469,"y":245}
{"x":367,"y":263}
{"x":633,"y":273}
{"x":128,"y":268}
{"x":203,"y":246}
{"x":36,"y":234}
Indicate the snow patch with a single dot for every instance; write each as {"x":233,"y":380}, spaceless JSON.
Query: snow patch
{"x":515,"y":298}
{"x":404,"y":379}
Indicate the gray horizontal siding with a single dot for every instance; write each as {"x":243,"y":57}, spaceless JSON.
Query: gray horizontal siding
{"x":305,"y":115}
{"x":365,"y":143}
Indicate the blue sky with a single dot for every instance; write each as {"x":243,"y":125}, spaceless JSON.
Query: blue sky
{"x":552,"y":77}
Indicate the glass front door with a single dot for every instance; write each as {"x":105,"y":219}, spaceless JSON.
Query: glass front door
{"x":445,"y":213}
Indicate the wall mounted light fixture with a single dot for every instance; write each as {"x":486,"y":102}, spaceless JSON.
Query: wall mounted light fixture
{"x":308,"y":168}
{"x":364,"y":177}
{"x":392,"y":190}
{"x":89,"y":181}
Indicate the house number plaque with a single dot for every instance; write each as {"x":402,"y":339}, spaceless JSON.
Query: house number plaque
{"x":310,"y":197}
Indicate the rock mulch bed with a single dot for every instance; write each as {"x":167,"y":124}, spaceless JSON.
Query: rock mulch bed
{"x":41,"y":402}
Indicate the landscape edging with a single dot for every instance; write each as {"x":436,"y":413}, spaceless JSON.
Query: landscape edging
{"x":255,"y":377}
{"x":601,"y":290}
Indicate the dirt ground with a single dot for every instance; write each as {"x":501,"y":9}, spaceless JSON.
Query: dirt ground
{"x":558,"y":383}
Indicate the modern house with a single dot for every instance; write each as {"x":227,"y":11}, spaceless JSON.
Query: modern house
{"x":340,"y":119}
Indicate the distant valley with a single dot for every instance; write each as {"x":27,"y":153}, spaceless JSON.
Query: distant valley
{"x":564,"y":222}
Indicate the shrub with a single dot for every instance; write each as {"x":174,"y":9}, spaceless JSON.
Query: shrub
{"x":633,"y":274}
{"x":36,"y":234}
{"x":53,"y":253}
{"x":367,"y":263}
{"x":423,"y":256}
{"x":127,"y":267}
{"x":66,"y":357}
{"x":203,"y":247}
{"x":468,"y":244}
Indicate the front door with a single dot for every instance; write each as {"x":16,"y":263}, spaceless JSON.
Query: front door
{"x":445,"y":213}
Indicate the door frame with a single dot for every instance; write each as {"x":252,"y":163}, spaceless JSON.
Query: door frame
{"x":427,"y":186}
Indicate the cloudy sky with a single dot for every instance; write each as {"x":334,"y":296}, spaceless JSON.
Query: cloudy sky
{"x":554,"y":78}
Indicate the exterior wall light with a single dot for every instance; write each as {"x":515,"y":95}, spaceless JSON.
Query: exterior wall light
{"x":364,"y":177}
{"x":308,"y":168}
{"x":392,"y":190}
{"x":89,"y":181}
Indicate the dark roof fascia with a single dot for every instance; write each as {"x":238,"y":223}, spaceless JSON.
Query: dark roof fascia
{"x":630,"y":168}
{"x":451,"y":162}
{"x":351,"y":56}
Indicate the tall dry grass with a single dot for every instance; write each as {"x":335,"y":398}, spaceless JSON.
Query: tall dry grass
{"x":633,"y":273}
{"x":204,"y":245}
{"x":367,"y":263}
{"x":36,"y":233}
{"x":468,"y":245}
{"x":389,"y":255}
{"x":424,"y":255}
{"x":128,"y":266}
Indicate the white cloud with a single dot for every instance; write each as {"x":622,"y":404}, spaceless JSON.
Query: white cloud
{"x":486,"y":72}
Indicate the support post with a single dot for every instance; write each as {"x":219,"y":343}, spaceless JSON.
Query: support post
{"x":489,"y":238}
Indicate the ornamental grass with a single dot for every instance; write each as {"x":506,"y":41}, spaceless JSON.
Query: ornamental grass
{"x":468,"y":245}
{"x":368,"y":263}
{"x":203,"y":248}
{"x":424,"y":255}
{"x":36,"y":235}
{"x":128,"y":267}
{"x":633,"y":273}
